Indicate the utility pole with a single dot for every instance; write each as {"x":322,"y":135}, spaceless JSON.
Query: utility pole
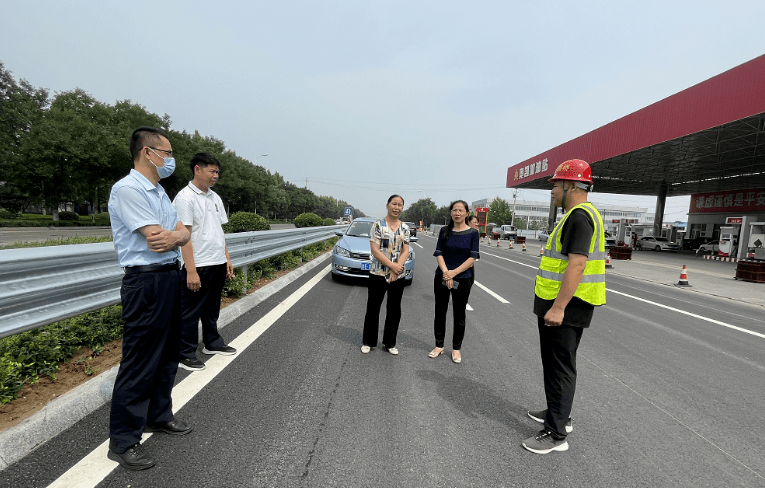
{"x":515,"y":195}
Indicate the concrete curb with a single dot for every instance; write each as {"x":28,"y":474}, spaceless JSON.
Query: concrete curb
{"x":64,"y":411}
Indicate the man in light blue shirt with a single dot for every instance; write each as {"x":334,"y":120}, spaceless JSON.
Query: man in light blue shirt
{"x":147,"y":237}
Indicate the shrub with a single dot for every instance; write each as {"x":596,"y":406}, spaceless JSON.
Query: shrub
{"x":245,"y":222}
{"x":329,"y":221}
{"x":68,"y":215}
{"x":7,"y":214}
{"x":236,"y":286}
{"x":26,"y":356}
{"x":101,"y":218}
{"x":309,"y":219}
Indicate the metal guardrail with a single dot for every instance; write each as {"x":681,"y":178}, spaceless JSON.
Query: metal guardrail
{"x":41,"y":285}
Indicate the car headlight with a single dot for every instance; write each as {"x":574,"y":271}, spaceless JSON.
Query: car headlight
{"x":341,"y":251}
{"x":411,"y":256}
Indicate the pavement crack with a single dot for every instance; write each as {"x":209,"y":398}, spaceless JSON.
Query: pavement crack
{"x":324,"y":420}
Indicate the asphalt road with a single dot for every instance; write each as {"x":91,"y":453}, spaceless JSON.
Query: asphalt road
{"x":663,"y":398}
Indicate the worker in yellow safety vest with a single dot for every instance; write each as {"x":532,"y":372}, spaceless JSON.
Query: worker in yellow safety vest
{"x":570,"y":283}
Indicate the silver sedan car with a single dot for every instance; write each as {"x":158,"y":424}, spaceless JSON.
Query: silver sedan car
{"x":352,"y":255}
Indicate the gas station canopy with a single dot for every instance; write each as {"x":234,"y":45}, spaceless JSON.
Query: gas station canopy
{"x":707,"y":138}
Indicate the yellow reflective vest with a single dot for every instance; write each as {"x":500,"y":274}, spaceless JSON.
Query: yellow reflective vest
{"x":592,"y":288}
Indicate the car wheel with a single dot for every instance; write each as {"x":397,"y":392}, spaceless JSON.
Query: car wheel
{"x":409,"y":282}
{"x":658,"y":248}
{"x":335,"y":277}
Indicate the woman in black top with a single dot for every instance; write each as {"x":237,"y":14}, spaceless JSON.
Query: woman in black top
{"x":456,"y":251}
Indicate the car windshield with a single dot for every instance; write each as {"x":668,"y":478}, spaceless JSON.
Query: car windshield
{"x":662,"y":239}
{"x":359,"y":229}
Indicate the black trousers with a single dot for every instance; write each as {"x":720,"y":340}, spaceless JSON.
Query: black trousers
{"x":460,"y":297}
{"x":376,"y":291}
{"x":558,"y":346}
{"x":151,"y":310}
{"x":203,"y":304}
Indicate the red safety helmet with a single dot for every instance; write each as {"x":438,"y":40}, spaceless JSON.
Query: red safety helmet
{"x":573,"y":170}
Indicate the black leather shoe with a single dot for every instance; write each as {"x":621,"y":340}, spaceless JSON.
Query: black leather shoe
{"x":174,"y":427}
{"x":134,"y":458}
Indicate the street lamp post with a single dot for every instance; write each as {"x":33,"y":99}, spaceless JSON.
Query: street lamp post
{"x":254,"y":202}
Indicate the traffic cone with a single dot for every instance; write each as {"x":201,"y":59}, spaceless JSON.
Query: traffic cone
{"x":510,"y":246}
{"x":542,"y":250}
{"x":524,"y":247}
{"x":498,"y":241}
{"x":608,"y":260}
{"x":683,"y":277}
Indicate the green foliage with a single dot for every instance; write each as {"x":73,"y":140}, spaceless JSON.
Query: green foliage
{"x":26,"y":356}
{"x":499,"y":212}
{"x":236,"y":286}
{"x":100,"y":218}
{"x":7,"y":214}
{"x":64,"y":241}
{"x":328,"y":221}
{"x":245,"y":222}
{"x":422,"y":210}
{"x":68,"y":215}
{"x":309,"y":219}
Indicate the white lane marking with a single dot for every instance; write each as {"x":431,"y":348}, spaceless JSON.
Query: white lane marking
{"x":95,"y":467}
{"x":512,"y":261}
{"x":418,"y":245}
{"x":691,"y":314}
{"x":502,"y":300}
{"x":468,"y":308}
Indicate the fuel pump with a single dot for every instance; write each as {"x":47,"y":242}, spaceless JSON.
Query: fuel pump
{"x":728,"y":241}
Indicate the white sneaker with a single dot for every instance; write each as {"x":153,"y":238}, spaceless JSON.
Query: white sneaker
{"x":392,"y":350}
{"x":365,"y":349}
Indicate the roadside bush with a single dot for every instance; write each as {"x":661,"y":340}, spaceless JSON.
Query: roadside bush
{"x":328,"y":221}
{"x":68,"y":216}
{"x":236,"y":286}
{"x":245,"y":222}
{"x":309,"y":219}
{"x":101,"y":218}
{"x":26,"y":356}
{"x":7,"y":214}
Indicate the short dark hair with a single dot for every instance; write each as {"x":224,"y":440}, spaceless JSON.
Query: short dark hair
{"x":390,"y":199}
{"x":202,"y":159}
{"x":471,"y":217}
{"x":144,"y":136}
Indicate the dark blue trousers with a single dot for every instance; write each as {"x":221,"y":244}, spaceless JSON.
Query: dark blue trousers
{"x":558,"y":346}
{"x":460,"y":296}
{"x":151,"y":310}
{"x":203,"y":304}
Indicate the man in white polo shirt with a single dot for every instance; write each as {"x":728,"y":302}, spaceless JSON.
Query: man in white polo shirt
{"x":207,"y":263}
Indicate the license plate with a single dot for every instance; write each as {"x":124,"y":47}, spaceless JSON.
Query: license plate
{"x":366,"y":266}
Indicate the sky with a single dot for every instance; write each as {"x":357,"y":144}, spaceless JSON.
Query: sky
{"x":360,"y":100}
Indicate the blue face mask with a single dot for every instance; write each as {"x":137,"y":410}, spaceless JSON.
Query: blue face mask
{"x":167,"y":169}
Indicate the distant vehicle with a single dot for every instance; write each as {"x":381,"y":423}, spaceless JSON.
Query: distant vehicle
{"x":412,"y":228}
{"x":543,"y":236}
{"x":352,"y":255}
{"x":506,"y":231}
{"x":610,"y":242}
{"x":712,"y":245}
{"x":657,"y":244}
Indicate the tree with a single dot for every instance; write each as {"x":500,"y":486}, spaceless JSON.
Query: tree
{"x":421,"y":210}
{"x":499,"y":212}
{"x":21,"y":106}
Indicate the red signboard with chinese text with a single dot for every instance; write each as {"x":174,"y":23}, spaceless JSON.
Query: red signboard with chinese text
{"x":481,"y":213}
{"x":747,"y":201}
{"x":734,"y":220}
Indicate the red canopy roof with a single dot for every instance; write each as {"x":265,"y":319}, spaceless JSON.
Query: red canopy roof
{"x":708,"y":137}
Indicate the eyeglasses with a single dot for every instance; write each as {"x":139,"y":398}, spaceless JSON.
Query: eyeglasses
{"x":169,"y":153}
